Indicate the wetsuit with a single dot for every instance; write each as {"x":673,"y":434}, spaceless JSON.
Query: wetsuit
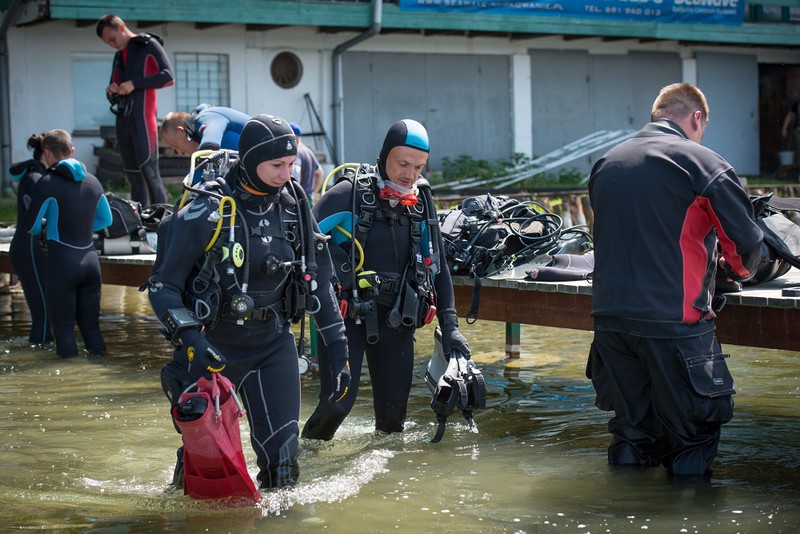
{"x":261,"y":353}
{"x":663,"y":204}
{"x":26,"y":255}
{"x":68,"y":205}
{"x":145,"y":63}
{"x":407,"y":288}
{"x":217,"y":127}
{"x":214,"y":128}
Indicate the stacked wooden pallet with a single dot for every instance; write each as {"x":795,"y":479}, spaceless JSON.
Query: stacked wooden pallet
{"x":111,"y":172}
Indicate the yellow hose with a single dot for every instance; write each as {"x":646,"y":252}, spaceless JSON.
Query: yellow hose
{"x":221,"y":211}
{"x":334,"y":171}
{"x":358,"y":246}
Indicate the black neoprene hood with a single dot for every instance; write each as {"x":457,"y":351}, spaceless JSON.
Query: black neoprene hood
{"x":264,"y":138}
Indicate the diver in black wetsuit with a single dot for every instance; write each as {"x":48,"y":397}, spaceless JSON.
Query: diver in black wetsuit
{"x":401,"y":280}
{"x":27,"y":256}
{"x":140,"y":67}
{"x":229,"y":311}
{"x":68,"y":205}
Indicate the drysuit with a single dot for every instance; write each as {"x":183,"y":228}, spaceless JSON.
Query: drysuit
{"x":402,"y":301}
{"x":278,"y":274}
{"x":664,"y":205}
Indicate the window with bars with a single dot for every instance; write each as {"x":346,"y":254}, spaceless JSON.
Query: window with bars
{"x":201,"y":78}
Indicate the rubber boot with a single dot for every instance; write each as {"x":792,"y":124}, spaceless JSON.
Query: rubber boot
{"x":177,"y":474}
{"x":323,"y":423}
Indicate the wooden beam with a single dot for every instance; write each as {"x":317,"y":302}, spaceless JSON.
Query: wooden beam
{"x":143,"y":24}
{"x":207,"y":25}
{"x":756,"y":317}
{"x":358,"y":16}
{"x":263,"y":27}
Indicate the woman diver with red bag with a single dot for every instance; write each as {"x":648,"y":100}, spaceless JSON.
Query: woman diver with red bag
{"x":268,"y":267}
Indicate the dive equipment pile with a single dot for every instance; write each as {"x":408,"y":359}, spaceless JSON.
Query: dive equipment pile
{"x":779,"y":219}
{"x":494,"y":235}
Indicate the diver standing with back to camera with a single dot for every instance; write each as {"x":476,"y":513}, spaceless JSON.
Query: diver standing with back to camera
{"x":228,"y":309}
{"x":28,"y":258}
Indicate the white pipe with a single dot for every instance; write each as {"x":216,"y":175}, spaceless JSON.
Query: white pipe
{"x":338,"y":109}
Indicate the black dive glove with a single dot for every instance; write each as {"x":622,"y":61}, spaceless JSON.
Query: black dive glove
{"x":340,"y":375}
{"x":197,"y":355}
{"x":451,"y":337}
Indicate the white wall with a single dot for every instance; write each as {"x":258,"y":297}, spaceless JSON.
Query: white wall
{"x":41,"y":85}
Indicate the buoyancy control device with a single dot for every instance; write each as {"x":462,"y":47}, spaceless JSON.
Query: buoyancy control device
{"x":410,"y":295}
{"x":202,"y":294}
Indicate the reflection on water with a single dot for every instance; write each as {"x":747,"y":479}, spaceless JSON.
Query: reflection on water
{"x":87,"y":445}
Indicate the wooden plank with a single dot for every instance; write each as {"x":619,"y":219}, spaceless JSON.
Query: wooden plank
{"x":122,"y":273}
{"x":756,"y":317}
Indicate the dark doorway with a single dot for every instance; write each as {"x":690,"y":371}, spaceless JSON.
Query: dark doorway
{"x":779,"y":88}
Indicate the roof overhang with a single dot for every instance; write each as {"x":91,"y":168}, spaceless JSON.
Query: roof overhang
{"x":356,"y":16}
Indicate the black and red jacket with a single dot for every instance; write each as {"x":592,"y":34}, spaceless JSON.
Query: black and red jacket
{"x":145,"y":63}
{"x":662,"y":205}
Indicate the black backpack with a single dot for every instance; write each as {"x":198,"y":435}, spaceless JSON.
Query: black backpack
{"x":126,"y":218}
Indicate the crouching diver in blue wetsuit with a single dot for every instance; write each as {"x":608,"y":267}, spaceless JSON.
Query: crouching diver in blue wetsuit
{"x":388,"y":254}
{"x":207,"y":127}
{"x":68,"y":204}
{"x":238,"y":261}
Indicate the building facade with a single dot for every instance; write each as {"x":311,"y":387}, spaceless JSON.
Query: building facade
{"x":487,"y":85}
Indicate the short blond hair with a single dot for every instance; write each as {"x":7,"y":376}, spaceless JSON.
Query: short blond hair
{"x":677,"y":101}
{"x":169,"y":125}
{"x":59,"y":142}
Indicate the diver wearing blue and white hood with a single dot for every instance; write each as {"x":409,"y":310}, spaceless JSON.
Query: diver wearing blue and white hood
{"x":400,"y":283}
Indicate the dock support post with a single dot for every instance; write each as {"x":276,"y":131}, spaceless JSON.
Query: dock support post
{"x":512,"y":340}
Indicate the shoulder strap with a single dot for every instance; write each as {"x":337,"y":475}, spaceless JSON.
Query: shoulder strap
{"x":366,"y":206}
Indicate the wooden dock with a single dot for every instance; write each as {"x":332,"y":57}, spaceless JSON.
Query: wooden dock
{"x":757,"y":316}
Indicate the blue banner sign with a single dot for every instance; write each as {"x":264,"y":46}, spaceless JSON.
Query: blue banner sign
{"x":682,"y":11}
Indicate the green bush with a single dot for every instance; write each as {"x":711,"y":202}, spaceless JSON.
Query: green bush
{"x":465,"y":166}
{"x":8,"y":210}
